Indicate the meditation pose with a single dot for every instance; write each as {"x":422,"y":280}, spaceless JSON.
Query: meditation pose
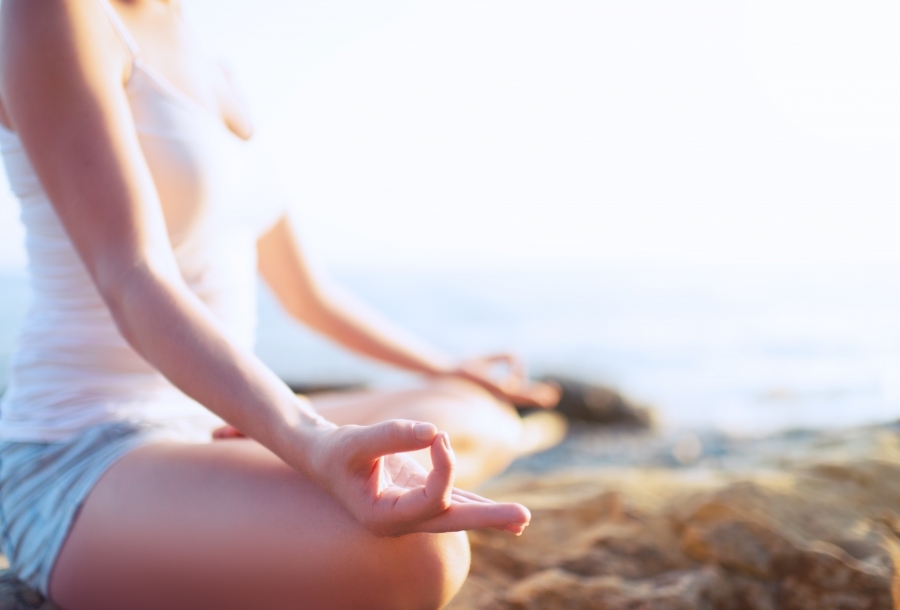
{"x":148,"y":460}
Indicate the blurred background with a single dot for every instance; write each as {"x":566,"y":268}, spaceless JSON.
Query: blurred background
{"x":697,"y":202}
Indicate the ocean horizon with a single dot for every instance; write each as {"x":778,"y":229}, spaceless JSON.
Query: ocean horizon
{"x":745,"y":349}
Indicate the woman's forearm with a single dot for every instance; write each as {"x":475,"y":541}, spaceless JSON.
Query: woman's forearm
{"x":343,"y":318}
{"x":336,"y":314}
{"x":175,"y":332}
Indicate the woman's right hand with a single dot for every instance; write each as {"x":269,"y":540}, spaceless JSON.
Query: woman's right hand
{"x":366,"y":469}
{"x":504,"y":375}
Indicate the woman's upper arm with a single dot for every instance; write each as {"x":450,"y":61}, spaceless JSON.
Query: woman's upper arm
{"x":285,"y":269}
{"x":61,"y":81}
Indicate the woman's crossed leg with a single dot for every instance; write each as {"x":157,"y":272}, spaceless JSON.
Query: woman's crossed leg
{"x":229,"y":525}
{"x":487,"y":433}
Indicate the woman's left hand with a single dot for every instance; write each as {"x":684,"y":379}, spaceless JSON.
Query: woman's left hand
{"x":391,"y":494}
{"x":504,"y":375}
{"x":403,"y":480}
{"x":367,"y":470}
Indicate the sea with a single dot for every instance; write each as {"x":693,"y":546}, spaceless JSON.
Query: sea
{"x":743,"y":349}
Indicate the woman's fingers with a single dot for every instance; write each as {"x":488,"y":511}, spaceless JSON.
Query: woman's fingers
{"x":548,"y":394}
{"x":439,"y":484}
{"x":514,"y":384}
{"x":517,"y":372}
{"x":476,"y":515}
{"x":416,"y":502}
{"x":394,"y":436}
{"x":513,"y":377}
{"x":543,"y":394}
{"x":435,"y":496}
{"x":468,"y":496}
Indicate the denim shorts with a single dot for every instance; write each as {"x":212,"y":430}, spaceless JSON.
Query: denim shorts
{"x":43,"y":485}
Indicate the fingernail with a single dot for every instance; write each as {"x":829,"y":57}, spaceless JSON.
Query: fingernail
{"x":446,"y":439}
{"x":517,"y":528}
{"x":424,"y":432}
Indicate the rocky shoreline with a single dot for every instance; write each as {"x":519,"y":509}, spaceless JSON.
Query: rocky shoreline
{"x":799,"y":520}
{"x":691,"y":520}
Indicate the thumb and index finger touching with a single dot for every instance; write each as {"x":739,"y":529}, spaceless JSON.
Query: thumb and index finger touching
{"x":398,"y":436}
{"x":511,"y":381}
{"x":435,"y":497}
{"x":393,"y":436}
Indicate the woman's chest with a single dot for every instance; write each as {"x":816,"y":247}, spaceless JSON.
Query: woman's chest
{"x":180,"y":149}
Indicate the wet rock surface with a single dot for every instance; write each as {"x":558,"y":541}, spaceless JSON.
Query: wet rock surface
{"x":794,"y":521}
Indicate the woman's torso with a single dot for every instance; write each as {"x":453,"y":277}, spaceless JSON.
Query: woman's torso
{"x":71,"y":367}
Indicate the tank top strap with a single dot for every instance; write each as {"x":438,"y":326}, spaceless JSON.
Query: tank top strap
{"x":117,"y":24}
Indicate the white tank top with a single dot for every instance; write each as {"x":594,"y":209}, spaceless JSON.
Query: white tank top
{"x":71,"y":367}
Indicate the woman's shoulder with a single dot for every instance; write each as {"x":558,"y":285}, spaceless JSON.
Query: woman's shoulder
{"x":71,"y":35}
{"x":55,"y":22}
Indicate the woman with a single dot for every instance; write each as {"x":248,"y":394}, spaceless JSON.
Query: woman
{"x":142,"y":263}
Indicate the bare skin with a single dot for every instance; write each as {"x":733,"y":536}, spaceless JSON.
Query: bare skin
{"x":486,"y":433}
{"x":229,"y":525}
{"x":310,"y":512}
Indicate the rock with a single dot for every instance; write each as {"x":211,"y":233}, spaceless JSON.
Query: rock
{"x":814,"y":575}
{"x":638,"y":550}
{"x":299,"y":387}
{"x":821,"y":531}
{"x":717,"y":534}
{"x":814,"y":528}
{"x":825,"y":577}
{"x":15,"y":595}
{"x":700,"y":589}
{"x":597,"y":404}
{"x":550,"y":589}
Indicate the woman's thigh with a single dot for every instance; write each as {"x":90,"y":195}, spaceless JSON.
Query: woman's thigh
{"x":229,"y":525}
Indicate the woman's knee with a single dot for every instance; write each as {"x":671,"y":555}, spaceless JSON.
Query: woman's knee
{"x":472,"y":398}
{"x":491,"y":422}
{"x":465,"y":390}
{"x":429,"y":570}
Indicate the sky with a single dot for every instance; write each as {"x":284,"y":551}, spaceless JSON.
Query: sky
{"x":571,"y":133}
